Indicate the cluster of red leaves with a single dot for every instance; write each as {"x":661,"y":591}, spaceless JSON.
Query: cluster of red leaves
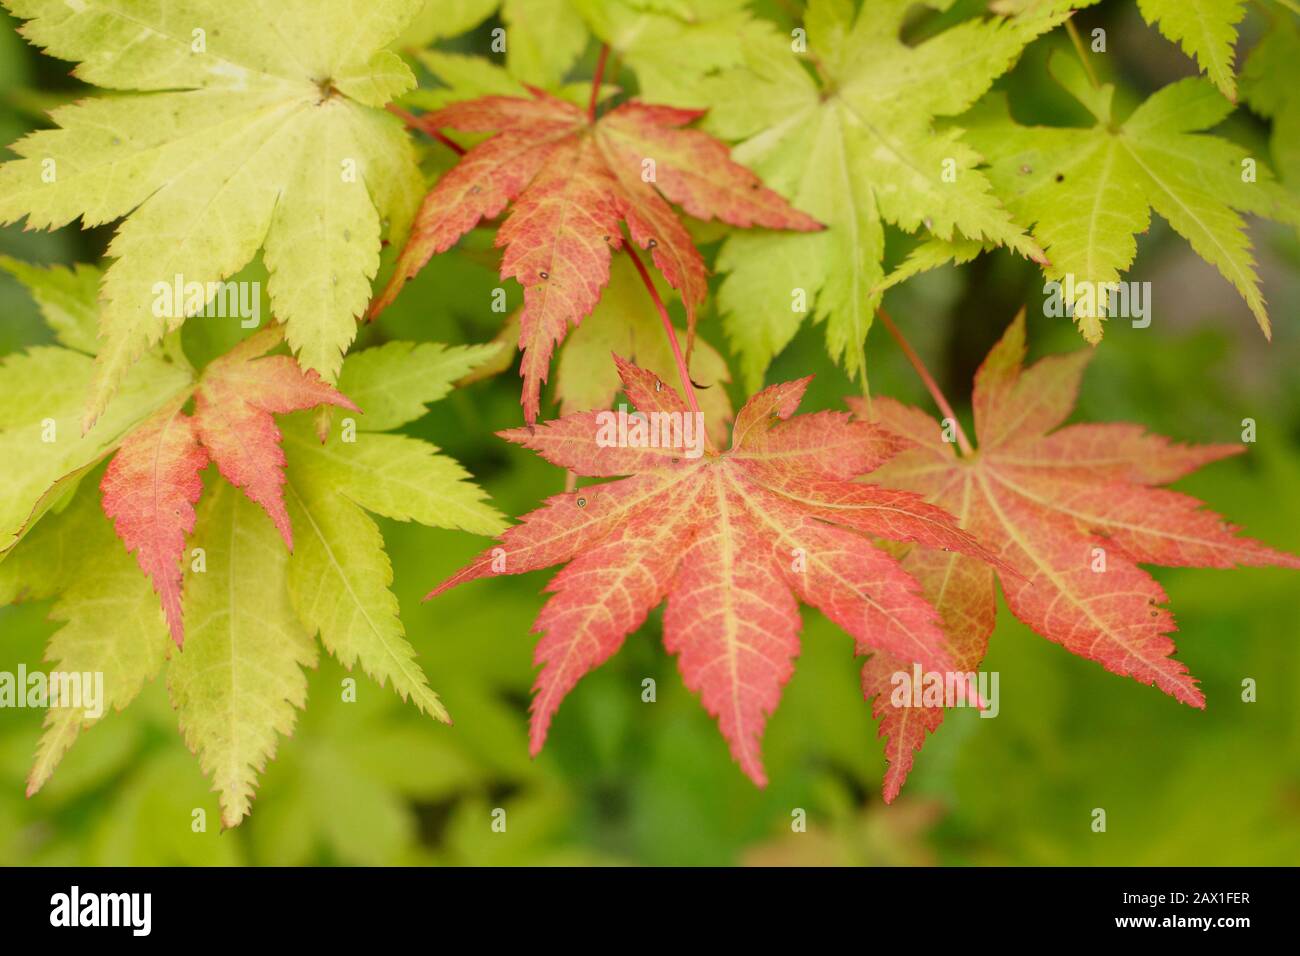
{"x":573,"y":180}
{"x":733,"y":538}
{"x":152,"y":484}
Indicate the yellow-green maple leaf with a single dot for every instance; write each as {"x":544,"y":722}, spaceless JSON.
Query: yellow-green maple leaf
{"x":541,"y":40}
{"x":236,"y":684}
{"x":1205,"y":29}
{"x":671,"y":44}
{"x":1270,"y":85}
{"x":248,"y":126}
{"x":43,"y":392}
{"x":668,"y":44}
{"x":1089,"y":191}
{"x":339,"y":575}
{"x":856,"y":148}
{"x":465,"y":77}
{"x":111,"y":624}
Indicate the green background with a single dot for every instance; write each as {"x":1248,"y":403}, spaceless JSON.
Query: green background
{"x":622,"y":781}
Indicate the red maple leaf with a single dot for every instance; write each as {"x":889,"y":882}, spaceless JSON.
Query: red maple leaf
{"x":1072,"y":510}
{"x":731,"y":539}
{"x":573,"y":180}
{"x":152,"y":484}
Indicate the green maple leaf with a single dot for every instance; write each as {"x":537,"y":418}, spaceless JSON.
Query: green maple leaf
{"x":238,"y":681}
{"x":1205,"y":29}
{"x":439,"y":19}
{"x":246,"y":127}
{"x":43,"y":393}
{"x":1270,"y":84}
{"x":255,"y":607}
{"x":1090,"y":191}
{"x":669,"y":46}
{"x":111,"y":620}
{"x":469,"y":77}
{"x":542,"y":39}
{"x":672,"y":44}
{"x":66,"y":298}
{"x":855,"y":148}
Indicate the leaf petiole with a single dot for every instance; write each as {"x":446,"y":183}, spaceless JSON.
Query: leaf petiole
{"x":931,"y":385}
{"x":595,"y":81}
{"x":1083,"y":53}
{"x":419,"y":123}
{"x":678,"y":358}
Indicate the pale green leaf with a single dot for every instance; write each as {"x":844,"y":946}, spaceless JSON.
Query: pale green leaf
{"x":856,"y":148}
{"x":112,"y":623}
{"x":339,"y":580}
{"x":1205,"y":29}
{"x":543,"y":39}
{"x":931,"y":254}
{"x":393,"y":383}
{"x":42,"y":395}
{"x":439,"y":19}
{"x":672,"y":44}
{"x":770,"y":282}
{"x":258,"y":131}
{"x":1090,"y":191}
{"x":67,"y":298}
{"x":395,"y":476}
{"x":238,"y":679}
{"x":469,"y":77}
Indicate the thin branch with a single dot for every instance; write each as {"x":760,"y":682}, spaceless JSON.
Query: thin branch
{"x":931,"y":385}
{"x":595,"y":81}
{"x":1083,"y":53}
{"x":419,"y":123}
{"x":682,"y":371}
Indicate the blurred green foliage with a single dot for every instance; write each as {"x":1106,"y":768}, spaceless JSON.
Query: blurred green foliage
{"x":622,"y":781}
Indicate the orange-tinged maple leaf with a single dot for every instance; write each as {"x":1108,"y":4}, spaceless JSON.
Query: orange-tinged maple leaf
{"x":149,"y":491}
{"x":733,"y":540}
{"x":1074,"y":511}
{"x":573,"y":181}
{"x":152,"y":484}
{"x":233,"y":406}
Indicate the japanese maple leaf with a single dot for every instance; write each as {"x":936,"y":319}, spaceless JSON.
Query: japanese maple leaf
{"x":1073,"y":511}
{"x":847,"y":130}
{"x":1206,"y":30}
{"x":152,"y":484}
{"x":1159,"y":158}
{"x":231,"y":128}
{"x":573,"y":180}
{"x":732,"y":539}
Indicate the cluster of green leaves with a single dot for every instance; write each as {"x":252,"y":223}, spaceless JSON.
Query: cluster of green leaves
{"x":862,"y":139}
{"x":254,"y":608}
